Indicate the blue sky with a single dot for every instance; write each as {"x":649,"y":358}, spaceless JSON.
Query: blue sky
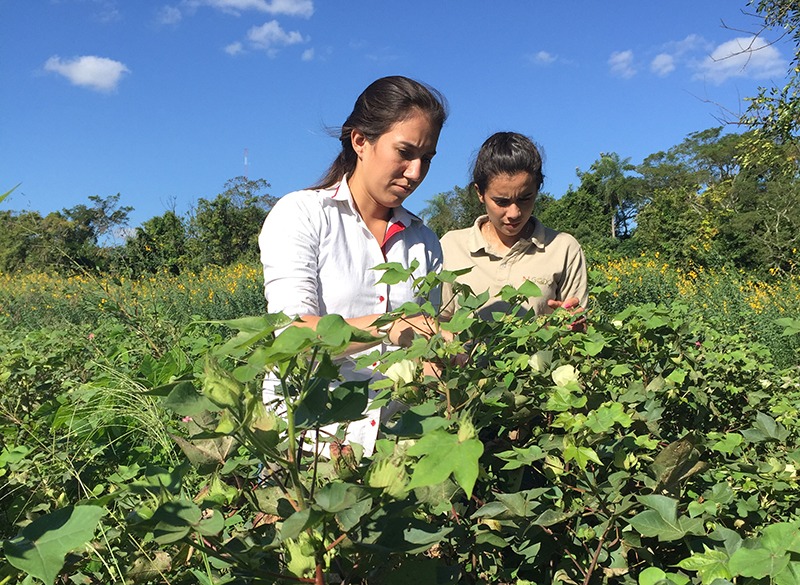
{"x":157,"y":101}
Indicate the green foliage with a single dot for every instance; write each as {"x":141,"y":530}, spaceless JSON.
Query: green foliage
{"x":65,"y":241}
{"x":43,"y":544}
{"x":225,"y":230}
{"x":453,"y":210}
{"x":651,"y":448}
{"x":159,"y":244}
{"x":9,"y":192}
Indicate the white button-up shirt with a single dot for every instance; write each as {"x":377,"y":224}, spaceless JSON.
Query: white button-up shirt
{"x":318,"y":257}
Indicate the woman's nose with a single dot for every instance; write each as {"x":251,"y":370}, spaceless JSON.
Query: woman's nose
{"x":413,"y":170}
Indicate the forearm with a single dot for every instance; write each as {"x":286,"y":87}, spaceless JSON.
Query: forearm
{"x":401,"y":332}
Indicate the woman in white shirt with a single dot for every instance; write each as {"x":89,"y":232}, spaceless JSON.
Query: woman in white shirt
{"x":319,"y":245}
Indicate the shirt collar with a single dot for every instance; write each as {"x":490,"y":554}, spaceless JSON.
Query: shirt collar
{"x":477,"y":243}
{"x":341,"y":192}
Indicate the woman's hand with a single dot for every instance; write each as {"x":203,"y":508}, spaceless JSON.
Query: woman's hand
{"x":572,"y":305}
{"x":404,"y":330}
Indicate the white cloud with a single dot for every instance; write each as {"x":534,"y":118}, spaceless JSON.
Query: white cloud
{"x":691,"y":43}
{"x":663,"y":64}
{"x":303,"y":8}
{"x":234,"y":48}
{"x":621,"y":63}
{"x":96,"y":73}
{"x":107,"y":11}
{"x":742,"y":57}
{"x":308,"y":55}
{"x":169,"y":15}
{"x":270,"y":35}
{"x":542,"y":58}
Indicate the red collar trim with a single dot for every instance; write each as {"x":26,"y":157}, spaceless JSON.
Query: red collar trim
{"x":393,"y":230}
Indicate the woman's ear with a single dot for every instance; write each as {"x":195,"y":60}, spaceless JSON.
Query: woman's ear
{"x":359,"y":141}
{"x":478,"y":191}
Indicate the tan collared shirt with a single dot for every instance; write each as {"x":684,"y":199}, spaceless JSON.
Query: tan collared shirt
{"x":553,"y":260}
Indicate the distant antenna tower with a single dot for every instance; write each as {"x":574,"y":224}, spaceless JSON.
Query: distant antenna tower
{"x":245,"y":164}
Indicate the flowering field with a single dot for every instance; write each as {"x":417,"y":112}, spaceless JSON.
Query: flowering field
{"x":732,"y":301}
{"x":41,"y":300}
{"x":661,"y":446}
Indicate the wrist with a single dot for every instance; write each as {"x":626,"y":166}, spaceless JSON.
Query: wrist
{"x":383,"y":330}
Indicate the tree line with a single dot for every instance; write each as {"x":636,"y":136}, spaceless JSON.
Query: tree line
{"x":715,"y":199}
{"x":219,"y":231}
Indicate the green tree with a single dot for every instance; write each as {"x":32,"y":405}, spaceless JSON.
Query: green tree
{"x":225,"y":229}
{"x":602,"y":210}
{"x":159,"y":244}
{"x":579,"y":213}
{"x":775,"y":111}
{"x":18,"y":233}
{"x":452,"y":210}
{"x":609,"y":181}
{"x":62,"y":241}
{"x":706,"y":205}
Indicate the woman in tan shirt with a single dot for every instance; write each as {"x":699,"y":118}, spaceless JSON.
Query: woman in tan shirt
{"x":508,"y":245}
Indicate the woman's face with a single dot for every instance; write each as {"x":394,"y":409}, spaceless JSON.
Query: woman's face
{"x":390,"y":168}
{"x":509,"y":201}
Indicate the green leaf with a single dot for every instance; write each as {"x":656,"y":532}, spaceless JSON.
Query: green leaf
{"x":770,"y":427}
{"x":581,"y":455}
{"x":350,"y":517}
{"x":174,"y":520}
{"x":298,"y":522}
{"x":460,"y":321}
{"x":186,"y":401}
{"x":621,"y":370}
{"x":418,"y":421}
{"x":789,"y":576}
{"x":553,"y":516}
{"x":343,"y":403}
{"x":529,"y":289}
{"x":251,"y":330}
{"x":592,"y":348}
{"x":423,"y":570}
{"x":710,"y":565}
{"x":42,"y":546}
{"x":441,"y":454}
{"x":758,"y":562}
{"x":781,"y":537}
{"x":394,"y":272}
{"x":651,"y":576}
{"x":607,"y":416}
{"x":729,"y":444}
{"x":7,"y":193}
{"x":677,"y":375}
{"x":791,"y":326}
{"x":521,"y":457}
{"x":334,"y":331}
{"x":291,"y":342}
{"x":662,"y":520}
{"x":337,"y":497}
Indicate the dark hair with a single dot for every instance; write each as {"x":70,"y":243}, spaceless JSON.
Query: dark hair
{"x":385,"y":102}
{"x":506,"y":153}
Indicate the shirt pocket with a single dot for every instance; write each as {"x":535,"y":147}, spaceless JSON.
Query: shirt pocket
{"x":546,"y":284}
